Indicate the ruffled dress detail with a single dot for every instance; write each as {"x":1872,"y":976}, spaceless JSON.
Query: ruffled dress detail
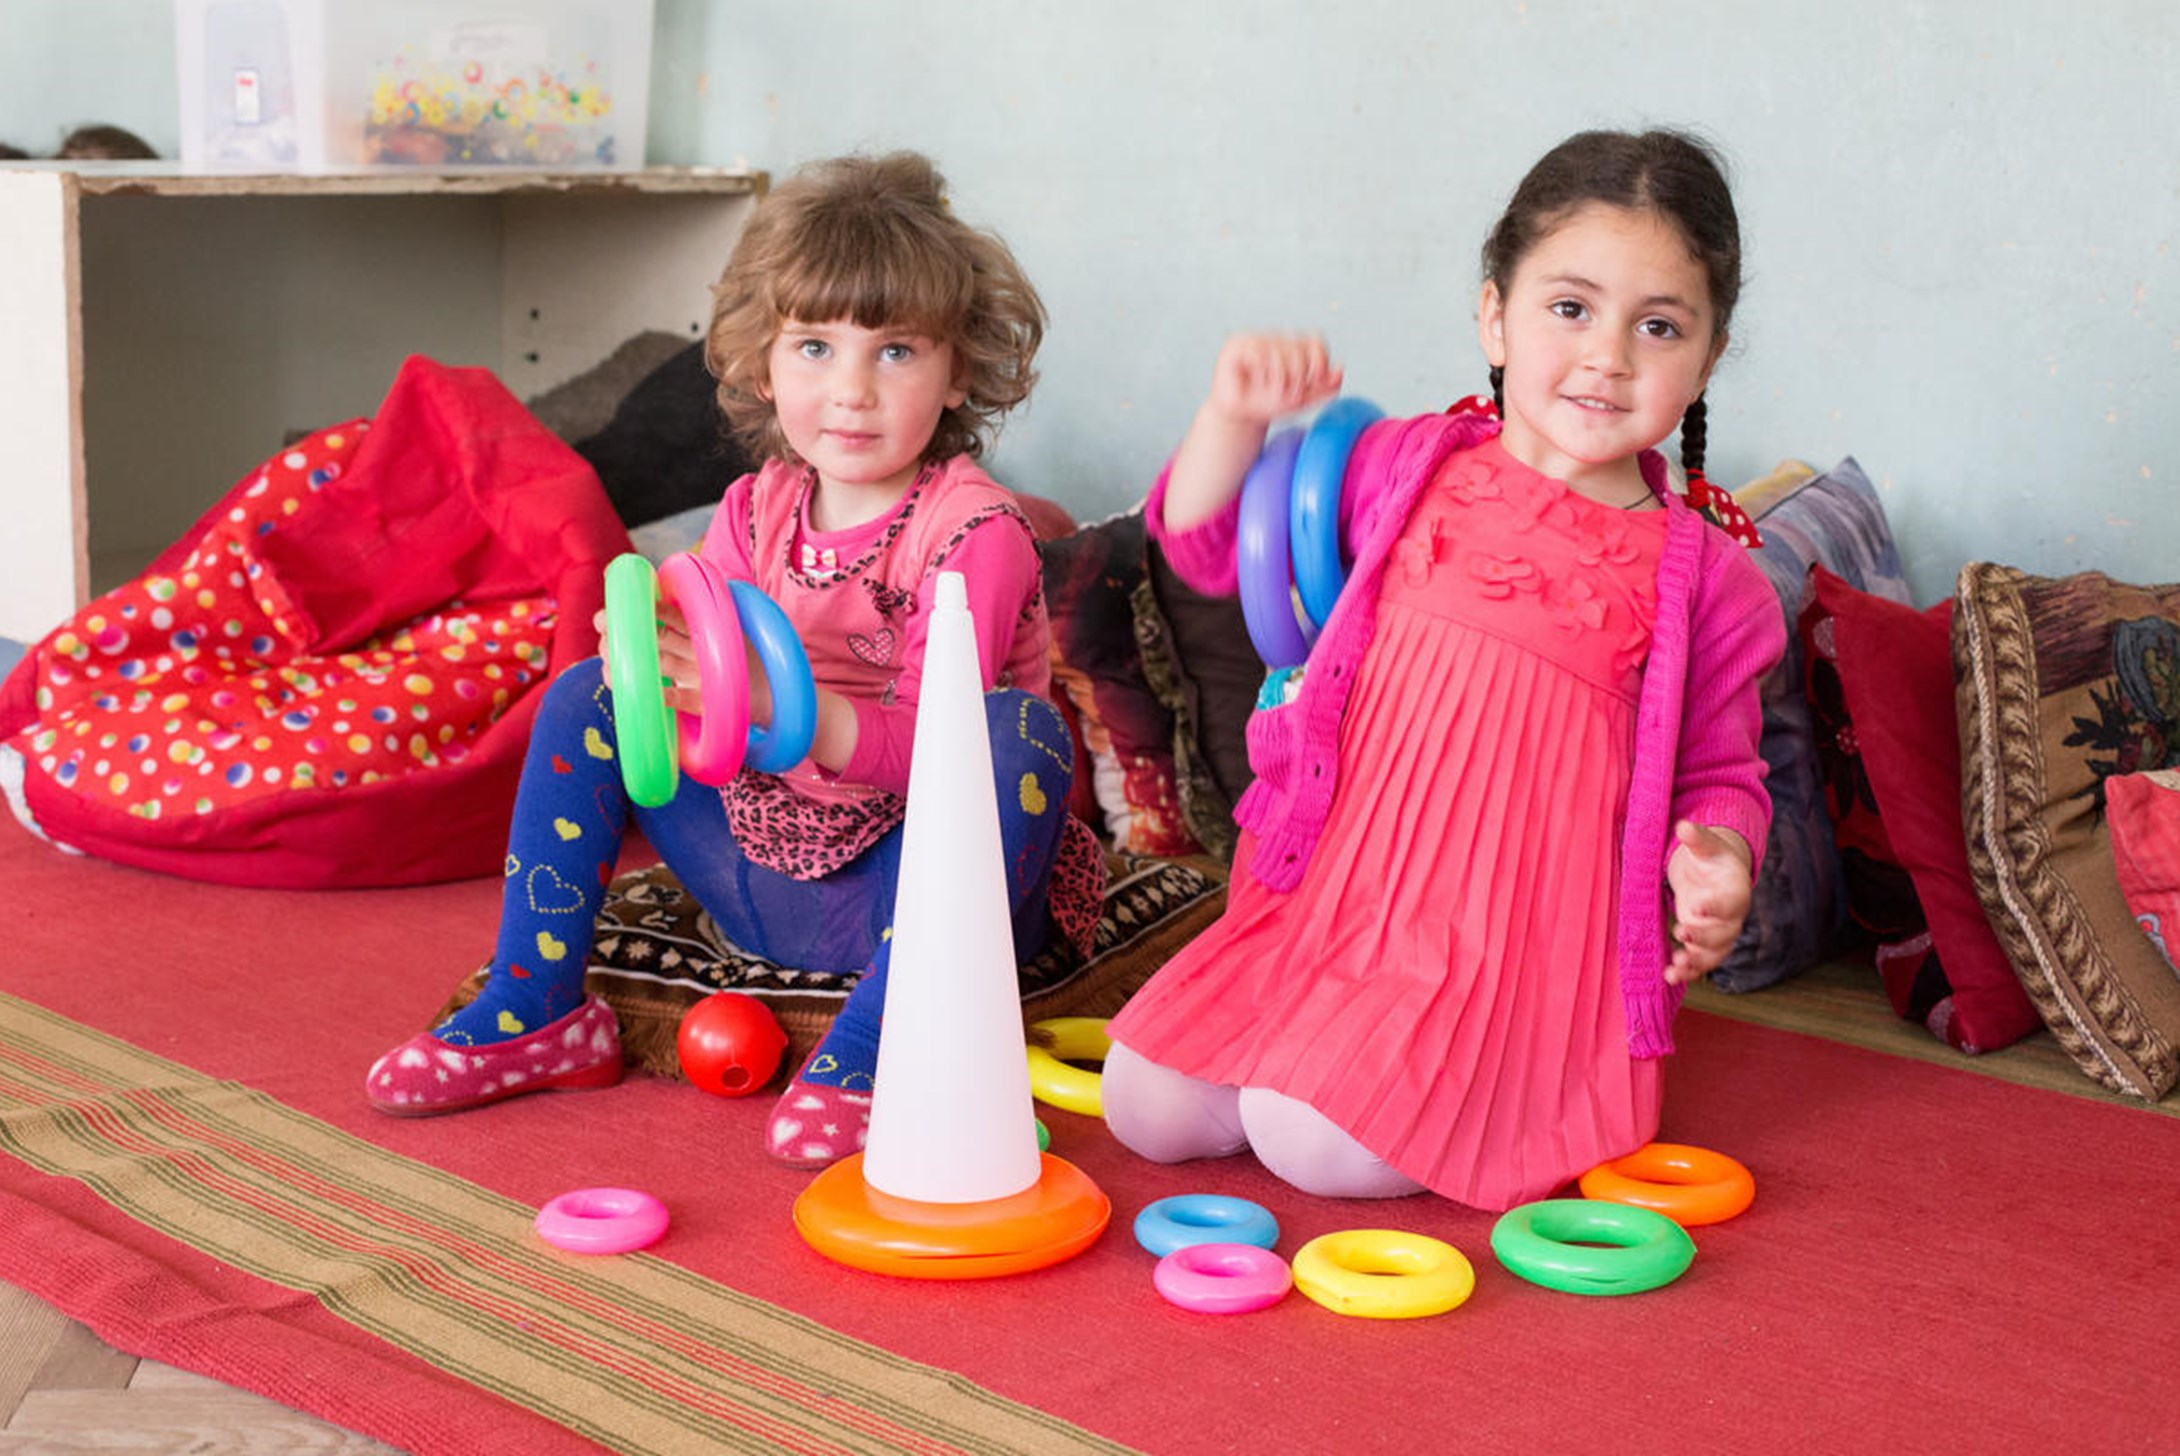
{"x":1443,"y":982}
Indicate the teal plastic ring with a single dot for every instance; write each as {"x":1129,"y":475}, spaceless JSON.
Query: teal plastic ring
{"x":787,"y":669}
{"x":1580,"y":1246}
{"x":1204,"y":1218}
{"x":1320,"y":476}
{"x":643,"y":730}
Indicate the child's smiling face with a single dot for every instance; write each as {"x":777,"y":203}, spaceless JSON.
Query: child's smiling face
{"x":860,"y":405}
{"x":1607,"y":334}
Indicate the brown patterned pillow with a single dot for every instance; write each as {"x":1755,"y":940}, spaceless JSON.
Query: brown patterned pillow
{"x":657,"y":953}
{"x":2060,"y":684}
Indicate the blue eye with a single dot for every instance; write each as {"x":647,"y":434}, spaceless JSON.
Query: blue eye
{"x":898,"y":353}
{"x":813,"y":348}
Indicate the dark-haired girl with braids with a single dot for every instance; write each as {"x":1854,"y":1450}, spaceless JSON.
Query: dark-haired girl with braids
{"x":1516,"y":802}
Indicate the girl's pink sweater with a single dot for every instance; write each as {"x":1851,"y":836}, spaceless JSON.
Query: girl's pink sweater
{"x":1698,"y":720}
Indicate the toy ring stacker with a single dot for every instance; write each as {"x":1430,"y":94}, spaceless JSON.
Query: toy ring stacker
{"x":1555,"y":1243}
{"x":652,"y":740}
{"x":602,"y":1221}
{"x":1320,"y":474}
{"x":1204,"y":1218}
{"x":1383,"y":1274}
{"x":1222,"y":1278}
{"x":1691,"y":1186}
{"x":1266,"y":568}
{"x":1056,"y":1084}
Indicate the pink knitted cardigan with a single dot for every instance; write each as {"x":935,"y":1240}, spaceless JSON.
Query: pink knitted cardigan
{"x":1698,"y":719}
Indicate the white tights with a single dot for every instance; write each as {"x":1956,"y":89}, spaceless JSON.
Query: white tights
{"x":1171,"y":1117}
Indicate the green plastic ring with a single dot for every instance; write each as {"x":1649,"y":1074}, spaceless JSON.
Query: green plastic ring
{"x":1555,"y":1243}
{"x":643,"y":730}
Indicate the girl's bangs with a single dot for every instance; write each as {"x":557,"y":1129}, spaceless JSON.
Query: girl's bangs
{"x":875,"y":283}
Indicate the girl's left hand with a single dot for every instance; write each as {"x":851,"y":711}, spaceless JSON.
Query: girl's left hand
{"x":1709,"y":873}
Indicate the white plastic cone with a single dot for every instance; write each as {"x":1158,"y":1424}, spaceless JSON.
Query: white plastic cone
{"x":951,"y":1119}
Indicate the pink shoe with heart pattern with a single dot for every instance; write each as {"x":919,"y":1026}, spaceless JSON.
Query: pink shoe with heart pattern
{"x":815,"y":1126}
{"x":425,"y":1076}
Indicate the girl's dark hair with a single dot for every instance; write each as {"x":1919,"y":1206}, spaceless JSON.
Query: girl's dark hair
{"x":1666,"y":172}
{"x":872,"y":240}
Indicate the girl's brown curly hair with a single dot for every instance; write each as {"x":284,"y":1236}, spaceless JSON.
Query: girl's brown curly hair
{"x":872,"y":240}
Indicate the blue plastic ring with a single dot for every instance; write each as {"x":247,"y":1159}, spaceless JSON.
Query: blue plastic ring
{"x":1320,"y":475}
{"x":1188,"y":1219}
{"x":1265,"y":568}
{"x":787,"y":669}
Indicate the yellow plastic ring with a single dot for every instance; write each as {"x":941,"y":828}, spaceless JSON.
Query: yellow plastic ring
{"x":1056,"y":1084}
{"x":1691,"y":1186}
{"x":1383,"y":1274}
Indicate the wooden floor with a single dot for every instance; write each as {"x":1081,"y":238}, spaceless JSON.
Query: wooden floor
{"x":63,"y":1390}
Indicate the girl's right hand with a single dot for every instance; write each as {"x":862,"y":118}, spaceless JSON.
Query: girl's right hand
{"x":1258,"y":378}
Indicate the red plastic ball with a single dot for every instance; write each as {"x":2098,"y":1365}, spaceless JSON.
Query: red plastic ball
{"x":730,"y":1044}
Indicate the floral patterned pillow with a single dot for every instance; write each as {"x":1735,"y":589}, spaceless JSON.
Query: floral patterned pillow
{"x":2063,"y":685}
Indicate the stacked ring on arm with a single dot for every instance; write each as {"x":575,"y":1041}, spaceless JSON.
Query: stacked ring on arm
{"x":652,"y":740}
{"x":1580,"y":1246}
{"x":1264,"y":562}
{"x":1320,"y":477}
{"x":1691,"y":1186}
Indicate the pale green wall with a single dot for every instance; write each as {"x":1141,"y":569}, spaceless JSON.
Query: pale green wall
{"x":1961,"y":219}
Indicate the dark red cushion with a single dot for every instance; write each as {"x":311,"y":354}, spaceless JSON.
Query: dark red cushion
{"x":1896,"y":671}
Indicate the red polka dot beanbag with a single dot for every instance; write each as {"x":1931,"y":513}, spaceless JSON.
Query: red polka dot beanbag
{"x":329,"y":680}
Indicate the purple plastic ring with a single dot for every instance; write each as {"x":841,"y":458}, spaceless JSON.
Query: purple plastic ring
{"x":1264,"y":565}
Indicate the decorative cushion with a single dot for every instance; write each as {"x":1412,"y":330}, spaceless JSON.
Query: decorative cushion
{"x":2063,"y":684}
{"x":1833,"y":518}
{"x":2145,"y":812}
{"x":657,"y":953}
{"x":1895,"y":667}
{"x":1090,"y":578}
{"x":1198,"y":659}
{"x":328,"y":681}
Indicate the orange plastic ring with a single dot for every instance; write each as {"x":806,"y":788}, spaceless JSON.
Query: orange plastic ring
{"x":1691,"y":1186}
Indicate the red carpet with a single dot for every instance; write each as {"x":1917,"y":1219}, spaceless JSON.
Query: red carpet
{"x":1935,"y":1261}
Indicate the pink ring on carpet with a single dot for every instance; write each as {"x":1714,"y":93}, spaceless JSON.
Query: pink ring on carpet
{"x":1222,"y":1278}
{"x":602,"y":1221}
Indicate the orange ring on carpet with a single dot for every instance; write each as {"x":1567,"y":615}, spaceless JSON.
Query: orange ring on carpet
{"x":841,"y":1216}
{"x":1691,"y":1186}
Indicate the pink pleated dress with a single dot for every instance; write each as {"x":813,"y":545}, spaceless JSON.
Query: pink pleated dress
{"x":1442,"y":983}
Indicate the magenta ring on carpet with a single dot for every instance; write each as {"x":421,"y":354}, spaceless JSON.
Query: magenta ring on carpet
{"x":1222,"y":1278}
{"x":602,"y":1221}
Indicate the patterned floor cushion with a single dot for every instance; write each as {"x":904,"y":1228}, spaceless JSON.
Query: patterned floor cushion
{"x":657,"y":953}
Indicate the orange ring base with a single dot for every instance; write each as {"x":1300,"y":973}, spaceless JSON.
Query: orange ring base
{"x":848,"y":1221}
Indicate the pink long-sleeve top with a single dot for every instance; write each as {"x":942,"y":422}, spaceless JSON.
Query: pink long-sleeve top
{"x":861,"y":602}
{"x":1698,"y":718}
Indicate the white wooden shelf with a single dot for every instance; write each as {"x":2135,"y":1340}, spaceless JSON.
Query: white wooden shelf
{"x":161,"y":332}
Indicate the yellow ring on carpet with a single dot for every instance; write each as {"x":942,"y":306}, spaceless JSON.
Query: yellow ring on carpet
{"x":1056,"y":1084}
{"x":1383,"y":1273}
{"x":1691,"y":1186}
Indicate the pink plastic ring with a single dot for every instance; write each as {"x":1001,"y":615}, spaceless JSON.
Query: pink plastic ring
{"x":713,"y":745}
{"x":1222,"y":1278}
{"x":602,"y":1221}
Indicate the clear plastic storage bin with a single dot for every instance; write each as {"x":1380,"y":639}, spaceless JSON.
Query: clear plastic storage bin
{"x":340,"y":85}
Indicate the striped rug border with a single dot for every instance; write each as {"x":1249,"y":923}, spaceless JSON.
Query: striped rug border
{"x":634,"y":1352}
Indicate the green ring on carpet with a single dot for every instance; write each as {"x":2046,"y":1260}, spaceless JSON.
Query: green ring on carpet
{"x":1555,"y":1243}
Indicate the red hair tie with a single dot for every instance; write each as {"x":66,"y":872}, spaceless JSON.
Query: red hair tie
{"x":1722,"y":510}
